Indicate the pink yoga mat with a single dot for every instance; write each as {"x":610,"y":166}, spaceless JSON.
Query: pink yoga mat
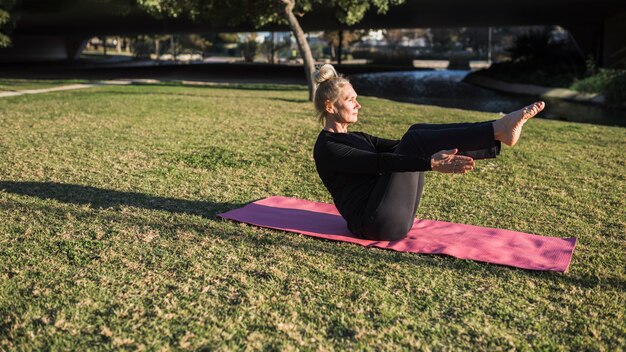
{"x":483,"y":244}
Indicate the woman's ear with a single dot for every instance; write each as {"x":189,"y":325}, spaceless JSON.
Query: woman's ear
{"x":330,"y":108}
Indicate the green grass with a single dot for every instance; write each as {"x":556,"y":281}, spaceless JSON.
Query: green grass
{"x":16,"y":84}
{"x":109,"y":239}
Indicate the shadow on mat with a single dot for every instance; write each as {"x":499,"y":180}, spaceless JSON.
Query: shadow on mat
{"x":105,"y":198}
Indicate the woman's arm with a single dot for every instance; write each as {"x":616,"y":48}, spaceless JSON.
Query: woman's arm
{"x":383,"y":145}
{"x":342,"y":158}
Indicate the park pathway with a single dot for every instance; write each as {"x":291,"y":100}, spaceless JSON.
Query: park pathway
{"x":73,"y":87}
{"x":121,"y":82}
{"x":45,"y":90}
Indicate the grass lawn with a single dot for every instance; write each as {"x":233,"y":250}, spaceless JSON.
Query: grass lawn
{"x":109,"y":239}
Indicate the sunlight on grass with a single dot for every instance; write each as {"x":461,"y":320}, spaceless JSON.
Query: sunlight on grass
{"x":109,"y":237}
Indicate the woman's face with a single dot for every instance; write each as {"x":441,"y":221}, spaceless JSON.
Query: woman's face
{"x":347,"y":108}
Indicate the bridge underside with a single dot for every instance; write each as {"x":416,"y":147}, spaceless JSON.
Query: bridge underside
{"x":47,"y":31}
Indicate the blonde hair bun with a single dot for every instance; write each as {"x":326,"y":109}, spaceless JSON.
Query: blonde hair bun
{"x":324,"y":73}
{"x":329,"y":91}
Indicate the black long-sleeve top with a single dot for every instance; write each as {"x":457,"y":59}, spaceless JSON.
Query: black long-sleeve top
{"x":350,"y":165}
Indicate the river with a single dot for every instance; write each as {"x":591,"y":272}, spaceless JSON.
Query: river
{"x":445,"y":88}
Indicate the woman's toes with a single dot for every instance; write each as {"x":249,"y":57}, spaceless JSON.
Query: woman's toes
{"x":539,"y":105}
{"x":532,"y":110}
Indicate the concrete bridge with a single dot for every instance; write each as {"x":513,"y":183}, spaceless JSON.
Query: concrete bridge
{"x":49,"y":30}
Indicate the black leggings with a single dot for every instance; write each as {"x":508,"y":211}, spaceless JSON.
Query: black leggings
{"x":391,"y":208}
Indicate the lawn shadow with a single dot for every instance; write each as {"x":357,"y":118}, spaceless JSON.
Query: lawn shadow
{"x":104,"y":198}
{"x":99,"y":198}
{"x":584,"y":280}
{"x":190,"y":95}
{"x":290,"y":100}
{"x":225,"y":85}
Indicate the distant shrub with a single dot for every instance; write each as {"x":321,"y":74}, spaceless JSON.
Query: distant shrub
{"x":615,"y":90}
{"x":386,"y":57}
{"x":611,"y":83}
{"x":536,"y":57}
{"x":249,"y":47}
{"x":540,"y":47}
{"x":532,"y":46}
{"x":142,"y":46}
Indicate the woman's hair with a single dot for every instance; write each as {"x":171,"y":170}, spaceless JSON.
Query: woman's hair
{"x":329,"y":86}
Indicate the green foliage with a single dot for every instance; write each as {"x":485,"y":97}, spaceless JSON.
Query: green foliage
{"x":272,"y":49}
{"x":444,"y":38}
{"x":194,"y":42}
{"x":537,"y":47}
{"x":5,"y":40}
{"x":351,"y":12}
{"x":7,"y":21}
{"x":536,"y":58}
{"x":556,"y":76}
{"x":261,"y":12}
{"x":615,"y":89}
{"x":142,"y":46}
{"x":610,"y":82}
{"x":532,"y":46}
{"x":249,"y":47}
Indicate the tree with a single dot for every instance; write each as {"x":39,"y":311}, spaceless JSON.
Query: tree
{"x":263,"y":12}
{"x":272,"y":47}
{"x":249,"y":47}
{"x":337,"y":40}
{"x":476,"y":38}
{"x":6,"y":22}
{"x":444,"y":39}
{"x":396,"y":37}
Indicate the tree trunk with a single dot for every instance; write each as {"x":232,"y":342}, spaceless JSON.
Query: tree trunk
{"x":173,"y":47}
{"x":303,"y":45}
{"x":273,"y":49}
{"x":340,"y":47}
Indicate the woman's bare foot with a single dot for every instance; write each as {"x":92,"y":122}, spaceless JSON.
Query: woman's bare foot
{"x":508,"y":129}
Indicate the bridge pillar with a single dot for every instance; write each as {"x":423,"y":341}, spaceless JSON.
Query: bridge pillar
{"x":589,"y":40}
{"x":614,"y":54}
{"x":605,"y":42}
{"x":42,"y":48}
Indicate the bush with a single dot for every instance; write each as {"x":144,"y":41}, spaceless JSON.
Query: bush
{"x":386,"y":57}
{"x":615,"y":90}
{"x":142,"y":46}
{"x":249,"y":48}
{"x":539,"y":47}
{"x":611,"y":83}
{"x":537,"y":58}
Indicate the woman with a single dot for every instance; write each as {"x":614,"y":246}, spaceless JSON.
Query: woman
{"x":376,"y":183}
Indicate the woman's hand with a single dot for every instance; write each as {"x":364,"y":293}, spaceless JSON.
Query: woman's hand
{"x":447,"y":162}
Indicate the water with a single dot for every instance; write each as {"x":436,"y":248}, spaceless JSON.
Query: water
{"x":445,"y":88}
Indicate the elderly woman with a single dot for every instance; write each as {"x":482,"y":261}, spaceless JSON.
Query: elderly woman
{"x":376,"y":183}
